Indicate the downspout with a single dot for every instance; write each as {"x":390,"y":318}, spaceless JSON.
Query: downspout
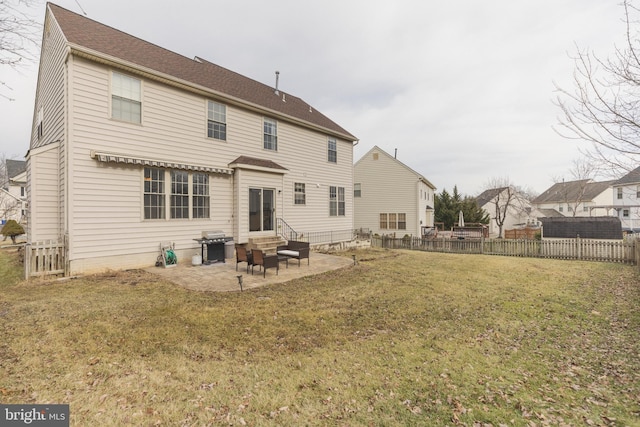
{"x":66,"y":142}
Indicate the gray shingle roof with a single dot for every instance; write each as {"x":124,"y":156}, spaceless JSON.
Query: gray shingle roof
{"x":632,"y":177}
{"x":93,"y":38}
{"x":15,"y":167}
{"x":487,"y":195}
{"x":254,"y":161}
{"x":582,"y":190}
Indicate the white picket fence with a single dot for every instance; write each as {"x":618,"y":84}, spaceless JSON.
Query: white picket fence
{"x":570,"y":249}
{"x":44,"y":258}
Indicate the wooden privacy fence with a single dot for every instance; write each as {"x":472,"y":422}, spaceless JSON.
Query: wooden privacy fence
{"x":571,"y":249}
{"x":44,"y":258}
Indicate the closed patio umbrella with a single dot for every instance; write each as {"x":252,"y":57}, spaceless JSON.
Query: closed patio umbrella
{"x":460,"y":219}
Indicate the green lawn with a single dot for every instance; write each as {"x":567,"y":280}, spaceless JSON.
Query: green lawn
{"x":403,"y":338}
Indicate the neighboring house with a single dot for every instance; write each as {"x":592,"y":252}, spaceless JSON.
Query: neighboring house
{"x":13,"y":197}
{"x":518,"y":213}
{"x":390,"y":197}
{"x":134,"y":145}
{"x":576,"y":198}
{"x":626,"y":200}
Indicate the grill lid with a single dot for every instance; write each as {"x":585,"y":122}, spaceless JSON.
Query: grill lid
{"x":215,"y":234}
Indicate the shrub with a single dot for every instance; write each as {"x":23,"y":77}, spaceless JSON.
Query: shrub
{"x":12,"y":229}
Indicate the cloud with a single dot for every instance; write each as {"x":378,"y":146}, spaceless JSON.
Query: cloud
{"x":463,"y":89}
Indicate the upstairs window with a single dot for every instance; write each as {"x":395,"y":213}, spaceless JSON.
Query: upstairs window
{"x":357,"y":190}
{"x":332,"y":151}
{"x":217,"y":121}
{"x":299,"y":194}
{"x":270,"y":135}
{"x":638,"y":192}
{"x":126,"y":98}
{"x":40,"y":124}
{"x":619,"y":193}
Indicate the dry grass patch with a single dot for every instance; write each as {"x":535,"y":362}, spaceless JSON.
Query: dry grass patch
{"x":403,"y":338}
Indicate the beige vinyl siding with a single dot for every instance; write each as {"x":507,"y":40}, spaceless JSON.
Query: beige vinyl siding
{"x":304,"y":153}
{"x":43,"y":171}
{"x":387,"y":187}
{"x":50,"y":87}
{"x":45,"y":222}
{"x":107,"y":213}
{"x":106,"y":216}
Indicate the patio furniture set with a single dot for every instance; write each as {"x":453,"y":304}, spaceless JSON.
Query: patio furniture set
{"x":292,"y":250}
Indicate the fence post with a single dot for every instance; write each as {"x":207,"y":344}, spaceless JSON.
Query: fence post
{"x":578,"y":247}
{"x":27,"y":260}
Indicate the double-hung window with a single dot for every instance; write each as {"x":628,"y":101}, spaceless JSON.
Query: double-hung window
{"x":126,"y":98}
{"x":299,"y":194}
{"x":336,"y":201}
{"x":154,"y":197}
{"x":383,"y":221}
{"x":270,"y":134}
{"x":619,"y":193}
{"x":185,"y":197}
{"x":393,"y":224}
{"x":357,"y":190}
{"x":201,"y":195}
{"x":393,"y":221}
{"x":217,"y":121}
{"x":402,"y":221}
{"x":179,"y":194}
{"x":332,"y":151}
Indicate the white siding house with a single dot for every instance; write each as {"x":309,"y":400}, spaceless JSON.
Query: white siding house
{"x":133,"y":145}
{"x":390,"y":197}
{"x":579,"y":198}
{"x":626,"y":200}
{"x":510,"y":206}
{"x":13,"y":195}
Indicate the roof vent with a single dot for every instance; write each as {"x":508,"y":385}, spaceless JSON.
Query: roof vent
{"x":277,"y":78}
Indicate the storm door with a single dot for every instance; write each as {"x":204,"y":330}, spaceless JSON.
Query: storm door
{"x":261,"y":209}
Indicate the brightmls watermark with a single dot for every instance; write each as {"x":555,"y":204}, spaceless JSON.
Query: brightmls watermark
{"x":34,"y":415}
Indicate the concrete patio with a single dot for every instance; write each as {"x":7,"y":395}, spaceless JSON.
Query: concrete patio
{"x":223,"y":277}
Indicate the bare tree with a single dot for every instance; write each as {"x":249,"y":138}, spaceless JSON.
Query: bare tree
{"x":506,"y":198}
{"x":603,"y":106}
{"x":19,"y":36}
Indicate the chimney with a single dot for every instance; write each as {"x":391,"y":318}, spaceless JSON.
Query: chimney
{"x":395,"y":155}
{"x":277,"y":78}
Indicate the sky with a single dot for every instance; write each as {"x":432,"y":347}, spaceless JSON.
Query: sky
{"x":463,"y":90}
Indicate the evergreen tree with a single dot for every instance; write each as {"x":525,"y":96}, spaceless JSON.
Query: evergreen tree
{"x":12,"y":229}
{"x":448,"y":209}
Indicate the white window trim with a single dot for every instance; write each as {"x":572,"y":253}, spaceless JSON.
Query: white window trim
{"x":111,"y":94}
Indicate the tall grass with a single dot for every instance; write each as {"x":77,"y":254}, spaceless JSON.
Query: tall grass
{"x":403,"y":338}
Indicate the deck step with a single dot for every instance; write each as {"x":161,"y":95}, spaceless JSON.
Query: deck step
{"x":267,"y":244}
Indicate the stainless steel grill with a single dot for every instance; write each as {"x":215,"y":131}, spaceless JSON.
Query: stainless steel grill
{"x":214,"y":242}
